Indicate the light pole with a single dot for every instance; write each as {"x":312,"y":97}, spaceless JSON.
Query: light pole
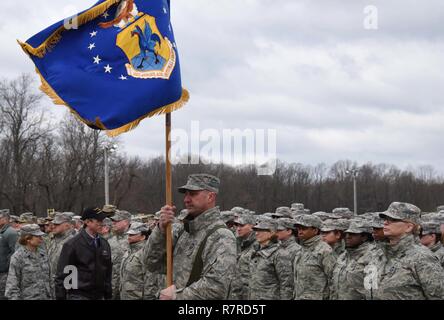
{"x":108,"y":149}
{"x":354,"y":174}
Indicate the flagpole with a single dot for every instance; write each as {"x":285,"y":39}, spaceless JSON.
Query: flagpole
{"x":169,"y":201}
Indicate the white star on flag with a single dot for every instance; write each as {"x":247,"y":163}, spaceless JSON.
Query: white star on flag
{"x":106,"y":15}
{"x":122,"y":77}
{"x":97,"y":59}
{"x":108,"y":69}
{"x":93,"y":34}
{"x":164,"y":10}
{"x":91,"y":46}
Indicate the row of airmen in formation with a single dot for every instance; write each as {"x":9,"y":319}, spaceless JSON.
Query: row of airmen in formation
{"x":287,"y":254}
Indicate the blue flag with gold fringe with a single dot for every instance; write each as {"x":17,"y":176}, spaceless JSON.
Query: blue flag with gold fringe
{"x":113,"y":64}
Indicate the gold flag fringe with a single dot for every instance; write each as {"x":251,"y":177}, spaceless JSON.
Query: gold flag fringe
{"x":48,"y":90}
{"x":55,"y":37}
{"x":163,"y":110}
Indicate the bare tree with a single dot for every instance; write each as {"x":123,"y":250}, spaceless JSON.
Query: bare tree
{"x":23,"y":128}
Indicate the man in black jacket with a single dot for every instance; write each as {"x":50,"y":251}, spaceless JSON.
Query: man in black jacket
{"x":84,"y":268}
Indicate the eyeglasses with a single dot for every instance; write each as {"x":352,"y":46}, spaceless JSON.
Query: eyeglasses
{"x":391,"y":220}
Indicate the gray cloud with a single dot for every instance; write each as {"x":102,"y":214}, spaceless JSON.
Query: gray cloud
{"x":308,"y":69}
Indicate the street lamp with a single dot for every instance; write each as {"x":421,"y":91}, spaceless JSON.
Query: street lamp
{"x":354,"y":174}
{"x":108,"y":149}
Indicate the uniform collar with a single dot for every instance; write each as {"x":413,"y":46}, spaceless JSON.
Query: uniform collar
{"x":436,"y":247}
{"x":202,"y":221}
{"x":289,"y":241}
{"x":247,"y":242}
{"x":310,"y":243}
{"x":137,"y":246}
{"x":406,"y":242}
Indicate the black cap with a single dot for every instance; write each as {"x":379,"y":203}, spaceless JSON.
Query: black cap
{"x":93,"y":213}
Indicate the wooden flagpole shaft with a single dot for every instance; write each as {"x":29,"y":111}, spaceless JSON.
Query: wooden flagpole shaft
{"x":169,"y":201}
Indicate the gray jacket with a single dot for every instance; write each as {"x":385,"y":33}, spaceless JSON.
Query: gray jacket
{"x":8,"y":239}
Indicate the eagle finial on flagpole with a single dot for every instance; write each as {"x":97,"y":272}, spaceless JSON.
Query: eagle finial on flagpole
{"x":124,"y":12}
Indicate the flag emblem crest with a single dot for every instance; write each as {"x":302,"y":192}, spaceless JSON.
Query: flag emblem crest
{"x":150,"y":55}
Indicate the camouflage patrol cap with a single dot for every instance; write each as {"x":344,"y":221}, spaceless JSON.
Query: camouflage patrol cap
{"x":4,"y":212}
{"x":430,"y":228}
{"x":308,"y":220}
{"x":237,"y":210}
{"x":343,"y":213}
{"x":440,"y":217}
{"x":376,"y":222}
{"x":245,"y":219}
{"x":359,"y":226}
{"x":107,"y":222}
{"x":440,"y":208}
{"x":121,"y":215}
{"x":334,"y":224}
{"x":285,"y":224}
{"x":297,"y":212}
{"x":77,"y":218}
{"x":282,"y":212}
{"x":31,"y":229}
{"x":201,"y":181}
{"x":322,"y":215}
{"x":426,"y":217}
{"x":13,"y":219}
{"x":62,"y":218}
{"x":297,"y":206}
{"x":27,"y":217}
{"x":307,"y":211}
{"x":69,"y":214}
{"x":402,"y":211}
{"x":266,"y":224}
{"x":261,"y":217}
{"x":136,"y":228}
{"x":227,"y":216}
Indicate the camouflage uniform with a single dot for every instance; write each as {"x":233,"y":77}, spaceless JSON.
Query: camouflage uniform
{"x":119,"y":245}
{"x":438,"y":251}
{"x":313,"y":265}
{"x":432,"y":227}
{"x":239,"y":286}
{"x":132,"y":273}
{"x":55,"y":248}
{"x":56,"y":242}
{"x":264,"y":281}
{"x":219,"y":256}
{"x":154,"y":282}
{"x":29,"y":275}
{"x":347,"y":281}
{"x":284,"y":267}
{"x":406,"y":270}
{"x":336,"y":225}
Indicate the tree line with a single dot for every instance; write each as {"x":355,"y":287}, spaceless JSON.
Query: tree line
{"x":43,"y":165}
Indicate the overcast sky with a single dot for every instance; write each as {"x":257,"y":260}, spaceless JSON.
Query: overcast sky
{"x":331,"y":88}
